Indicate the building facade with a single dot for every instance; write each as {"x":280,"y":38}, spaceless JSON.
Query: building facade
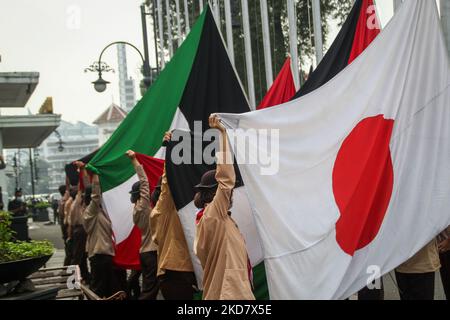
{"x":126,"y":84}
{"x":108,"y":122}
{"x":71,"y":142}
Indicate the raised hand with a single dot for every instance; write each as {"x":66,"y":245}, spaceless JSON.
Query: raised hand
{"x":215,"y":123}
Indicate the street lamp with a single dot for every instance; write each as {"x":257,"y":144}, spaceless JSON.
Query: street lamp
{"x":99,"y":66}
{"x":60,"y":142}
{"x":100,"y":84}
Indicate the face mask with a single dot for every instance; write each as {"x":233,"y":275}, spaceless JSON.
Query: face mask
{"x":20,"y":199}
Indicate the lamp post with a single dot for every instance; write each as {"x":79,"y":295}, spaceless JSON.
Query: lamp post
{"x":100,"y":67}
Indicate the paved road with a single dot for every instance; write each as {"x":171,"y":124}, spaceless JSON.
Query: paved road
{"x":40,"y":231}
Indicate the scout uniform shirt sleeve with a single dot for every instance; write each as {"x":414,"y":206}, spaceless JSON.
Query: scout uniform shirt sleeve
{"x":226,"y":179}
{"x":142,"y":208}
{"x":91,"y":212}
{"x":159,"y":214}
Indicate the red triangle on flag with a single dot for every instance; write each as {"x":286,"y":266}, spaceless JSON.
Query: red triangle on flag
{"x":282,"y":90}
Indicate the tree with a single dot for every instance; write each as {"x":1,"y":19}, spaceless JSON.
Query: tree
{"x":336,"y":10}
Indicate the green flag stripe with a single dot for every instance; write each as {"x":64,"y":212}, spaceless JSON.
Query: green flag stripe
{"x":144,"y":127}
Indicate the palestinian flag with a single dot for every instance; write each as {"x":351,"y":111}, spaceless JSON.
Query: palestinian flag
{"x":282,"y":89}
{"x":198,"y":81}
{"x":359,"y":30}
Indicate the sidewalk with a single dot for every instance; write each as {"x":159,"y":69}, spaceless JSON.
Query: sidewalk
{"x":39,"y":231}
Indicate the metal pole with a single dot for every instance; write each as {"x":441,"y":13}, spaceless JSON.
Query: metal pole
{"x":317,"y":21}
{"x":230,"y":42}
{"x":155,"y":36}
{"x":31,"y":173}
{"x":291,"y":9}
{"x":266,"y":42}
{"x":187,"y":26}
{"x":146,"y":67}
{"x":217,"y":12}
{"x":169,"y":28}
{"x":248,"y":54}
{"x":200,"y":2}
{"x":161,"y":34}
{"x":177,"y":8}
{"x":445,"y":20}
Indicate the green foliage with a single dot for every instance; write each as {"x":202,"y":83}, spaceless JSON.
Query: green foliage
{"x":13,"y":251}
{"x":6,"y":233}
{"x":331,"y":10}
{"x":42,"y":205}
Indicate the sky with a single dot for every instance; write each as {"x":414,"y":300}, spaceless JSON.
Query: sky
{"x":60,"y":38}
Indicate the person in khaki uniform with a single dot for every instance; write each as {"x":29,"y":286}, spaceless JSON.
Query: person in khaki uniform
{"x":67,"y":206}
{"x":416,"y":277}
{"x":175,"y":271}
{"x":77,"y":232}
{"x":100,"y":246}
{"x":444,"y":255}
{"x":219,"y":244}
{"x":140,"y":197}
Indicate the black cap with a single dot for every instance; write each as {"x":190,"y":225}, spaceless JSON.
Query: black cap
{"x":208,"y":181}
{"x":136,"y":188}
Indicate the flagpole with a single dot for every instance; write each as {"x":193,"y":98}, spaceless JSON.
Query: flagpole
{"x":230,"y":42}
{"x":248,"y":54}
{"x":445,"y":20}
{"x":169,"y":28}
{"x":161,"y":34}
{"x":217,"y":12}
{"x":293,"y":38}
{"x":266,"y":42}
{"x":177,"y":8}
{"x":186,"y":18}
{"x":397,"y":4}
{"x":317,"y":21}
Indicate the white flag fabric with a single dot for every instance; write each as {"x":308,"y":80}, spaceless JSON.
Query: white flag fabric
{"x":363,"y":181}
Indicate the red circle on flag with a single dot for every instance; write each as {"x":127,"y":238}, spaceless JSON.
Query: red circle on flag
{"x":363,"y":180}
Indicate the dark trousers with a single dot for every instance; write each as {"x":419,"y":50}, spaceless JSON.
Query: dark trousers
{"x":150,"y":286}
{"x":367,"y":294}
{"x":79,"y":255}
{"x":102,"y":275}
{"x":177,"y":285}
{"x":133,"y":286}
{"x":416,"y":286}
{"x":445,"y":272}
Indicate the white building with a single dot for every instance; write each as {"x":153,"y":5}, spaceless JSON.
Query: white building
{"x":126,"y":85}
{"x":108,"y":122}
{"x":75,"y":141}
{"x":21,"y":131}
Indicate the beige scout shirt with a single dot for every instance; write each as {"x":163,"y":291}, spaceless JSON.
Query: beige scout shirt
{"x":76,"y":211}
{"x":98,"y":226}
{"x":62,"y":204}
{"x":425,"y":261}
{"x":141,"y":213}
{"x":67,"y":207}
{"x":168,"y":234}
{"x":219,"y":244}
